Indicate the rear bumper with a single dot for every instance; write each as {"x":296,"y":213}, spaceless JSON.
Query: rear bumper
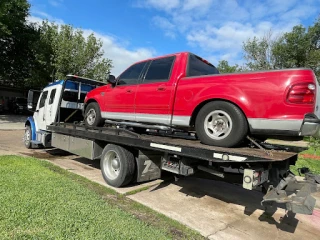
{"x":310,"y":126}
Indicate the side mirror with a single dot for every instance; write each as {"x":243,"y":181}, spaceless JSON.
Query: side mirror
{"x":33,"y":96}
{"x":112,"y":79}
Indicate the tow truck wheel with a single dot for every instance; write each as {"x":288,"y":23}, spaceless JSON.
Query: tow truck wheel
{"x":221,"y":124}
{"x":117,"y":165}
{"x":92,"y":116}
{"x":27,"y":137}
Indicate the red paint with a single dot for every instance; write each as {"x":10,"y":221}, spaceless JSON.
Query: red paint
{"x":267,"y":94}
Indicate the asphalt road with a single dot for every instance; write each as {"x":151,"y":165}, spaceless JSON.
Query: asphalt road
{"x":217,"y":210}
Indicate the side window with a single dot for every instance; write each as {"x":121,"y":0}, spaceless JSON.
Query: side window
{"x":198,"y":66}
{"x":52,"y":95}
{"x":43,"y":99}
{"x":159,"y":70}
{"x":131,"y":75}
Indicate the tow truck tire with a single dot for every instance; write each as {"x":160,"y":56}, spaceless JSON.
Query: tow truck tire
{"x":27,"y":137}
{"x":92,"y":116}
{"x":117,"y":165}
{"x":221,"y":124}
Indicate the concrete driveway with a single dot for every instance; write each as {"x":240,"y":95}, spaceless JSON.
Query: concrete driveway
{"x":217,"y":210}
{"x":12,"y":122}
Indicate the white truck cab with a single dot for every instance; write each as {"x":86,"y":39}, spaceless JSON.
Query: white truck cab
{"x":60,"y":101}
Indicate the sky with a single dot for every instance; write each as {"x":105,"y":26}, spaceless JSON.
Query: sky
{"x":133,"y":30}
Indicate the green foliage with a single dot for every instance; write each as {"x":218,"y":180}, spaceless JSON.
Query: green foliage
{"x":258,"y":52}
{"x":299,"y":48}
{"x":42,"y":201}
{"x":33,"y":55}
{"x":12,"y":16}
{"x":64,"y":50}
{"x":314,"y":144}
{"x":16,"y":41}
{"x":312,"y":164}
{"x":224,"y":67}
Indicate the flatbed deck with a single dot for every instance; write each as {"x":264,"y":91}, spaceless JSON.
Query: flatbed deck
{"x":185,"y":147}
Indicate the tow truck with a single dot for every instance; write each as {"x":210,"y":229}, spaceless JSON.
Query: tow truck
{"x":126,"y":156}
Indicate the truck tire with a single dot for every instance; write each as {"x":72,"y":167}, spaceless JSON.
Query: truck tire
{"x":92,"y":116}
{"x":221,"y":124}
{"x":117,"y":165}
{"x":27,"y":137}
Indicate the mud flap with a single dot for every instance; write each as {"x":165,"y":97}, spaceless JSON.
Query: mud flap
{"x":148,"y":165}
{"x":295,"y":194}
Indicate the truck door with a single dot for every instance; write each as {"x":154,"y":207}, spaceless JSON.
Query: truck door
{"x":153,"y":102}
{"x":40,"y":113}
{"x":119,"y":100}
{"x":52,"y":106}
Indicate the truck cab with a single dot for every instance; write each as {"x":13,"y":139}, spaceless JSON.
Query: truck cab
{"x":60,"y":101}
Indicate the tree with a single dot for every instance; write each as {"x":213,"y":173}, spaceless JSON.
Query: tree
{"x":299,"y":48}
{"x":16,"y":41}
{"x":224,"y":67}
{"x":258,"y":52}
{"x":64,"y":50}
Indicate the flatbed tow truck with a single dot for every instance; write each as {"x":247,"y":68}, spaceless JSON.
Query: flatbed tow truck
{"x":126,"y":156}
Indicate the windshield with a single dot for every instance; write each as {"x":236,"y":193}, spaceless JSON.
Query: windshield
{"x":198,"y":66}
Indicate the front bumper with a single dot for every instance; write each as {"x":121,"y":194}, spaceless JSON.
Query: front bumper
{"x":310,"y":126}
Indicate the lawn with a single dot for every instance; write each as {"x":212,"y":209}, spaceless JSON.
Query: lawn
{"x":303,"y":161}
{"x":41,"y":201}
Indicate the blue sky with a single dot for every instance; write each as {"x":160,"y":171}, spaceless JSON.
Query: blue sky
{"x":133,"y":30}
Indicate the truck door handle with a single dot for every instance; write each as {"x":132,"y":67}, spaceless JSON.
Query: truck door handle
{"x":129,"y":90}
{"x":161,"y":88}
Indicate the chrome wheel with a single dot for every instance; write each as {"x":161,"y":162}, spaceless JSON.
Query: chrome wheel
{"x":91,"y":116}
{"x":111,"y":165}
{"x":218,"y":124}
{"x":27,"y":137}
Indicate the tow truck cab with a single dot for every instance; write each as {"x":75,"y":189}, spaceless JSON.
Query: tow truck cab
{"x":60,"y":101}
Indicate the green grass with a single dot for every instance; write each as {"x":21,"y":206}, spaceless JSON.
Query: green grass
{"x":41,"y":201}
{"x":312,"y":164}
{"x":312,"y":150}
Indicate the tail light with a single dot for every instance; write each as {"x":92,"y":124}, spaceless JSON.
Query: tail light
{"x":302,"y":93}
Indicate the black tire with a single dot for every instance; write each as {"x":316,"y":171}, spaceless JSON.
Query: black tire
{"x":226,"y":114}
{"x":28,"y":137}
{"x":120,"y":173}
{"x":92,"y":116}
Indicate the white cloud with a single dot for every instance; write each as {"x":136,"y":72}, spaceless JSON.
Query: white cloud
{"x":33,"y":19}
{"x":121,"y":56}
{"x":192,"y":4}
{"x":39,"y":16}
{"x":219,"y":28}
{"x":164,"y":24}
{"x":166,"y":5}
{"x":56,"y":3}
{"x":114,"y":49}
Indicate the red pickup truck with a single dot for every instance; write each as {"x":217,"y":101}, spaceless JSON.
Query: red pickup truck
{"x":183,"y":91}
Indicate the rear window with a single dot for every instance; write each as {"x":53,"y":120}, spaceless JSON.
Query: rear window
{"x":198,"y":66}
{"x":72,"y":96}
